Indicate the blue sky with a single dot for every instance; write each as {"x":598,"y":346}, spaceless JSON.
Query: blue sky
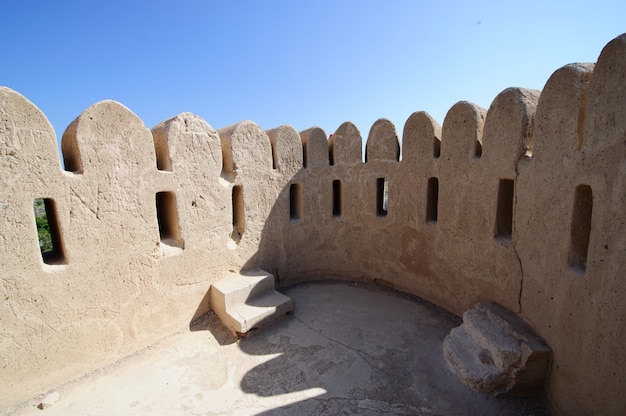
{"x":302,"y":63}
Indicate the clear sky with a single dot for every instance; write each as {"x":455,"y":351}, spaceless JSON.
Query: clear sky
{"x":302,"y":63}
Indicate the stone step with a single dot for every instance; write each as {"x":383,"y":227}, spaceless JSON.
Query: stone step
{"x":236,"y":288}
{"x":248,"y":301}
{"x":259,"y":312}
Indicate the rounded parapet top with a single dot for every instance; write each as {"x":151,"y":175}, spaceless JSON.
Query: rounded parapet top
{"x":345,"y":145}
{"x":421,"y":138}
{"x":605,"y":113}
{"x":187,"y":142}
{"x":462,"y":132}
{"x":102,"y":134}
{"x":560,"y":112}
{"x":25,"y":130}
{"x":508,"y":125}
{"x":314,"y":148}
{"x":245,"y":145}
{"x":286,"y":149}
{"x":382,"y":142}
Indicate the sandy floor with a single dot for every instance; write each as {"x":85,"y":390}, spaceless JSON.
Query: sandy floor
{"x":346,"y":349}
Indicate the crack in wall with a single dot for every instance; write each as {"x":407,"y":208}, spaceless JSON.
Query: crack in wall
{"x":525,"y":158}
{"x":521,"y":164}
{"x":521,"y":283}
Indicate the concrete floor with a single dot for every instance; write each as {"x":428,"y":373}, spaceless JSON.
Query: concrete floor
{"x":346,"y":349}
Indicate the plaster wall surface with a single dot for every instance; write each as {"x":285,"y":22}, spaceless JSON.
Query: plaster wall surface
{"x":522,"y":204}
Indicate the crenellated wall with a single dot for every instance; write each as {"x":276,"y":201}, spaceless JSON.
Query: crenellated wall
{"x":522,"y":204}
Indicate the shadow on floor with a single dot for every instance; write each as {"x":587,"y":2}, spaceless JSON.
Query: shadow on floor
{"x":211,"y":322}
{"x":371,"y":351}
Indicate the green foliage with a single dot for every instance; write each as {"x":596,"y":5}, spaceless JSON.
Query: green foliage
{"x":43,"y":228}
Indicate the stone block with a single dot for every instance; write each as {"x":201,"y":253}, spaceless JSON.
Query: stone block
{"x":495,"y":351}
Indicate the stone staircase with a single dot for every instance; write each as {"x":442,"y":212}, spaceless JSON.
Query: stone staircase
{"x":495,"y":351}
{"x":248,"y":301}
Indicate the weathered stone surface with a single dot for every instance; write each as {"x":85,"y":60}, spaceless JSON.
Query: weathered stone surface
{"x":324,"y":360}
{"x":521,"y":204}
{"x":496,"y":352}
{"x":49,"y":400}
{"x":382,"y":142}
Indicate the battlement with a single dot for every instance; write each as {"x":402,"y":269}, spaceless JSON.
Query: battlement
{"x":521,"y":204}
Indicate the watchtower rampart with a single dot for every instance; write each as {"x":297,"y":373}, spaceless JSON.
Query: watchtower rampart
{"x":522,"y":204}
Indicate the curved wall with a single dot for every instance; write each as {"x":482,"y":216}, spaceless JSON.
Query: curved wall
{"x":522,"y":204}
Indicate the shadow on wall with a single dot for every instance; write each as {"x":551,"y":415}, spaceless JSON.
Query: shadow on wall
{"x":325,"y":216}
{"x":469,"y":217}
{"x":529,"y":213}
{"x":415,"y":224}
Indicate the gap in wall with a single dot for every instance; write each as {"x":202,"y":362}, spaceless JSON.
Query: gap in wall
{"x":382,"y":196}
{"x":336,"y":198}
{"x":167,"y":217}
{"x":295,"y":202}
{"x":580,"y":228}
{"x":49,"y":231}
{"x":239,"y":223}
{"x":432,"y":201}
{"x":504,"y":212}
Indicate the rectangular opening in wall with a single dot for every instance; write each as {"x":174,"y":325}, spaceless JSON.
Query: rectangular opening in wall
{"x":504,"y":212}
{"x":162,"y":151}
{"x":581,"y":228}
{"x":239,"y":222}
{"x":432,"y":200}
{"x":167,"y":217}
{"x":436,"y":148}
{"x":305,"y":154}
{"x":274,"y":155}
{"x":49,"y":231}
{"x":478,"y":149}
{"x":382,"y":196}
{"x":336,"y":198}
{"x":295,"y":202}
